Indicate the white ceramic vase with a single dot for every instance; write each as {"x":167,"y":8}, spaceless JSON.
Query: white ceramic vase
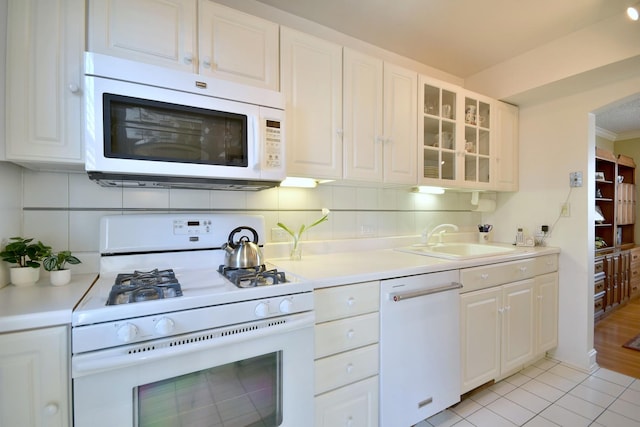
{"x":24,"y":276}
{"x":60,"y":277}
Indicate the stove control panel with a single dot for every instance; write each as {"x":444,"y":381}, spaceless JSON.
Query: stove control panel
{"x":191,"y":226}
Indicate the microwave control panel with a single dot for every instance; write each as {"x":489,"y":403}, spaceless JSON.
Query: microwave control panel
{"x":273,"y":144}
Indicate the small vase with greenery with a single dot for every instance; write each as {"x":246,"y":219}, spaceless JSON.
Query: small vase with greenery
{"x":26,"y":256}
{"x":56,"y":264}
{"x":295,"y":253}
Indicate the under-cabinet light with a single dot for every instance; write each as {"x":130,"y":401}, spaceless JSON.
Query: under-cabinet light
{"x":292,"y":181}
{"x":632,"y":13}
{"x":428,"y":190}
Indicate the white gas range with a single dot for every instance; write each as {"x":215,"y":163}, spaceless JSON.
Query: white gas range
{"x":173,"y":318}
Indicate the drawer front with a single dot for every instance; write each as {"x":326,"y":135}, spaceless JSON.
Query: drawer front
{"x":635,"y":255}
{"x":635,"y":272}
{"x":355,"y":405}
{"x":546,"y":264}
{"x":497,"y":274}
{"x":346,"y":368}
{"x":345,"y":301}
{"x":598,"y":304}
{"x":346,"y":334}
{"x":598,"y":286}
{"x":598,"y":266}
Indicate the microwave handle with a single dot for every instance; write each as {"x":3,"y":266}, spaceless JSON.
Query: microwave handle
{"x":256,"y":123}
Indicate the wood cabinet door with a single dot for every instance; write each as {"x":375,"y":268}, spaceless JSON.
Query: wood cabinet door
{"x":45,"y":43}
{"x":480,"y":337}
{"x":159,"y":32}
{"x":518,"y":326}
{"x":311,"y":80}
{"x":35,"y":378}
{"x":236,"y":46}
{"x":546,"y":288}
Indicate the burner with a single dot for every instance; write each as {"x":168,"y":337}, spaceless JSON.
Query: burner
{"x":144,"y":286}
{"x":252,"y":276}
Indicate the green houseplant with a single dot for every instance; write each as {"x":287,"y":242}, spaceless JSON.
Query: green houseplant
{"x":56,"y":263}
{"x":295,"y":253}
{"x":26,"y":256}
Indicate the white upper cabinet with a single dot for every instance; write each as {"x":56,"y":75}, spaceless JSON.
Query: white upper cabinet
{"x":44,"y":82}
{"x":311,"y":80}
{"x":159,"y":32}
{"x":190,"y":35}
{"x":380,"y":130}
{"x":236,"y":46}
{"x":506,"y":147}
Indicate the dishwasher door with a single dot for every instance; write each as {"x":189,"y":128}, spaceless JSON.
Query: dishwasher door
{"x":419,"y":347}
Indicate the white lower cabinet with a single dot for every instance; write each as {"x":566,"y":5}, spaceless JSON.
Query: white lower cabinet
{"x":347,"y":355}
{"x":506,"y":324}
{"x":34,"y":390}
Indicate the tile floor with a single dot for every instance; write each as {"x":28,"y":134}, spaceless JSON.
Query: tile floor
{"x":549,"y":394}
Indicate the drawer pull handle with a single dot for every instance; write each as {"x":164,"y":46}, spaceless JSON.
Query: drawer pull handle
{"x":350,"y":422}
{"x":484,"y":276}
{"x":349,"y":368}
{"x":351,"y":302}
{"x":350,"y":333}
{"x":425,"y":402}
{"x":523,"y":269}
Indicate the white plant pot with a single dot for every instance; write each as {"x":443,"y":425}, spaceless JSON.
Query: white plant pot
{"x":24,"y":276}
{"x":60,"y":277}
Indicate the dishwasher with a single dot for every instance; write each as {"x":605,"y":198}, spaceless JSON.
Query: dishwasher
{"x":419,"y":347}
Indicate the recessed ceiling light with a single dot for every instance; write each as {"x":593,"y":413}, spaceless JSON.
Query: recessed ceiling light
{"x":632,"y":13}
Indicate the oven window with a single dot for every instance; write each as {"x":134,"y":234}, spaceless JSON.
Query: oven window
{"x":150,"y":130}
{"x":246,"y":393}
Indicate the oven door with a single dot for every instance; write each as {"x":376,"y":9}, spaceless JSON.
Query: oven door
{"x":254,"y":374}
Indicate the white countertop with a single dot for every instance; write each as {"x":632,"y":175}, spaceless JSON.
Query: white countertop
{"x":41,"y":305}
{"x":361,"y":266}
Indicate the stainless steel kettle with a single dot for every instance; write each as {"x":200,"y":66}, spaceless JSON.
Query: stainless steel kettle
{"x":243,"y":253}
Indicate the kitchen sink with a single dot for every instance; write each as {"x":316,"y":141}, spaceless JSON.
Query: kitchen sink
{"x":458,"y":251}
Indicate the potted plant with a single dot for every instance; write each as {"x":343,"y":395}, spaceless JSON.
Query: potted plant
{"x":55,"y":264}
{"x":26,"y":256}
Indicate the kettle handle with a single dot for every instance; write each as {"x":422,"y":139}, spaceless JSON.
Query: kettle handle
{"x":238,"y":229}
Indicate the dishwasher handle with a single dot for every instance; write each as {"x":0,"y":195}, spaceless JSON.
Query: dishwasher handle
{"x":399,"y":296}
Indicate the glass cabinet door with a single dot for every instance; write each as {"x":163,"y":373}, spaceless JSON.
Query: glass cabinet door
{"x":439,"y":133}
{"x":477,"y":141}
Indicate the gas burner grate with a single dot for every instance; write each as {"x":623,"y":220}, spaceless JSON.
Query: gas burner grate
{"x":253,"y":276}
{"x":144,"y":286}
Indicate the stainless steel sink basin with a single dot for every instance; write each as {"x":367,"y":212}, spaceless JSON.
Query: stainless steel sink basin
{"x":458,"y":251}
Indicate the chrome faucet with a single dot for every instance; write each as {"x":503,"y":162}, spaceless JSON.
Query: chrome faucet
{"x":439,"y":229}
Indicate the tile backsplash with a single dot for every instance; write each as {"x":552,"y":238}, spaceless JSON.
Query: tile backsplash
{"x":64,"y":209}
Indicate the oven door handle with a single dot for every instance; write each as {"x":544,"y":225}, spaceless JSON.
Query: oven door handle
{"x":111,"y":359}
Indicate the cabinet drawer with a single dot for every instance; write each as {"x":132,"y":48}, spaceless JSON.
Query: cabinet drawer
{"x":346,"y":368}
{"x":345,"y":301}
{"x":598,"y":286}
{"x":497,"y":274}
{"x":598,"y":266}
{"x":634,"y":273}
{"x":346,"y":334}
{"x":546,"y":264}
{"x":598,"y":303}
{"x":355,"y":405}
{"x":635,"y":255}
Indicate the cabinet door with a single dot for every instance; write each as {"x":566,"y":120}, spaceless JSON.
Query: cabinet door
{"x":355,"y":405}
{"x":475,"y":147}
{"x":159,"y":32}
{"x":44,"y":81}
{"x":505,"y":135}
{"x":35,"y":378}
{"x":311,"y":80}
{"x":362,"y":120}
{"x":518,"y":326}
{"x":236,"y":46}
{"x":546,"y":312}
{"x":437,"y":132}
{"x":480,"y":337}
{"x":400,"y":125}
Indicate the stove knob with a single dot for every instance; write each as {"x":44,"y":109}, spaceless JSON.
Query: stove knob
{"x":127,"y":332}
{"x":262,"y":309}
{"x":285,"y":305}
{"x":164,"y":326}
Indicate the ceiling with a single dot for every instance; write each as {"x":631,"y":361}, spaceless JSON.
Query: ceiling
{"x":464,"y":37}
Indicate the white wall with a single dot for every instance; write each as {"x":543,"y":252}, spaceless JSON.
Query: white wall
{"x":556,"y":138}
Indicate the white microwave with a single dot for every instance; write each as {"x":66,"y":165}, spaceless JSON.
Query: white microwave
{"x":146,"y":126}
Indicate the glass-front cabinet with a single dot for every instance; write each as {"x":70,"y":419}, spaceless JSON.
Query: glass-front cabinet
{"x":454,"y":129}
